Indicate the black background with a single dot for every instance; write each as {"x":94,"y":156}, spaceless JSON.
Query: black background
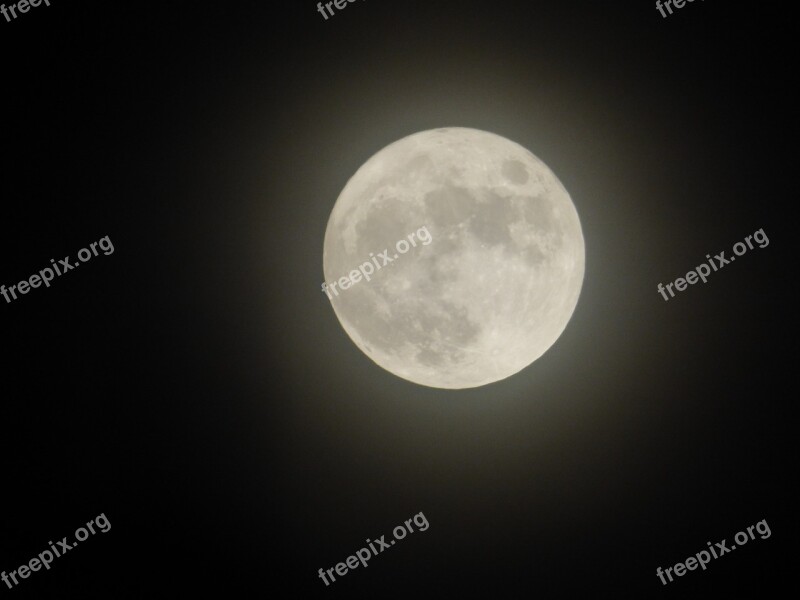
{"x":196,"y":387}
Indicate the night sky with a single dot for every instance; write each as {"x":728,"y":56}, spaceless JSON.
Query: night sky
{"x":196,"y":388}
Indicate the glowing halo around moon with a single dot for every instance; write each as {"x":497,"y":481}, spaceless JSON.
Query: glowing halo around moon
{"x":498,"y":281}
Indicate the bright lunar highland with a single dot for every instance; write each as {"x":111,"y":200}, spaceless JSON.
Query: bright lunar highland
{"x":495,"y":285}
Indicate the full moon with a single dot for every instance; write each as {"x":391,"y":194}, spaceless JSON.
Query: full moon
{"x":453,"y":258}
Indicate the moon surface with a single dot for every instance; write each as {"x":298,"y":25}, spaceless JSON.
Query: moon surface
{"x":495,"y":284}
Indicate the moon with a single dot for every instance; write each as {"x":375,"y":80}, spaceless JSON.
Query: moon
{"x":476,"y":254}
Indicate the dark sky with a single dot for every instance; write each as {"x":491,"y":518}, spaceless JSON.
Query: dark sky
{"x":196,"y":387}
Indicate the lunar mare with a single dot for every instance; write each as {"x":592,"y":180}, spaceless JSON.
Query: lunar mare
{"x":497,"y":285}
